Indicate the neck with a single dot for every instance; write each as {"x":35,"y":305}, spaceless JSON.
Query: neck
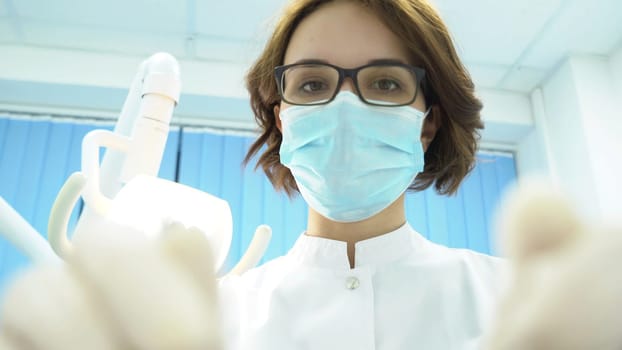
{"x":390,"y":219}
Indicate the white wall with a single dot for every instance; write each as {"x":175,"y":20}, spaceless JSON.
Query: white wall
{"x":533,"y":154}
{"x":599,"y":104}
{"x":616,"y":70}
{"x":507,"y":118}
{"x":577,"y":139}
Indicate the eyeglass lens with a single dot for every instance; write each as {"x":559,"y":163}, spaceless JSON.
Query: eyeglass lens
{"x":315,"y":84}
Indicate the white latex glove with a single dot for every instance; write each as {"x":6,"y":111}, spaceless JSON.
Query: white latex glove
{"x":118,"y":290}
{"x":567,"y":287}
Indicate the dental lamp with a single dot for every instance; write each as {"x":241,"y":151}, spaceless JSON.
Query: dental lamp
{"x":125,"y":188}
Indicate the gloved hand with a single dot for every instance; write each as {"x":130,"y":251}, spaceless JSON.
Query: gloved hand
{"x":118,"y":290}
{"x":567,"y":285}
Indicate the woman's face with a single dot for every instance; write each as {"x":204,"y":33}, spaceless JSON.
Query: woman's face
{"x":348,"y":35}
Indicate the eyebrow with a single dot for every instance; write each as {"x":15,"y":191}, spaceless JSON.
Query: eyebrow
{"x":311,"y":61}
{"x":374,"y":61}
{"x":387,"y":60}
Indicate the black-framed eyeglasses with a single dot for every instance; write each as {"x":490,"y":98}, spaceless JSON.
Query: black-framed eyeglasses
{"x":389,"y":83}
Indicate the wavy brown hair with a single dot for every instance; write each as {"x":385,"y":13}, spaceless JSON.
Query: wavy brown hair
{"x":448,"y":89}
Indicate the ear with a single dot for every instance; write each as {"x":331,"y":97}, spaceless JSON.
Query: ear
{"x":431,"y":124}
{"x":277,"y":111}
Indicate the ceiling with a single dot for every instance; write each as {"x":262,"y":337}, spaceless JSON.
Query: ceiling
{"x":506,"y":44}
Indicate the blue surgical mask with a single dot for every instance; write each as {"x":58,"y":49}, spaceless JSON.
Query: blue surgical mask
{"x":351,"y":160}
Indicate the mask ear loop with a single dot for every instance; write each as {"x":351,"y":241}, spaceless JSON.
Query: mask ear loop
{"x":425,"y":114}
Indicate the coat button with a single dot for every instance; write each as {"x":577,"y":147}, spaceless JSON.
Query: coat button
{"x":352,"y":283}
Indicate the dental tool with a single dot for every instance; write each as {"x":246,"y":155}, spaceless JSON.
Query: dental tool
{"x":125,"y":187}
{"x":15,"y":229}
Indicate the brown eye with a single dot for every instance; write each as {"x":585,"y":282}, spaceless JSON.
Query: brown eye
{"x":386,"y":85}
{"x":313,"y":86}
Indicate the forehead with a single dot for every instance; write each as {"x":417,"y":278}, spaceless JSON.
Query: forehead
{"x":345,"y":34}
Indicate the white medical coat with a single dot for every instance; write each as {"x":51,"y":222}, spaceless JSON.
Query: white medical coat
{"x":404,"y":292}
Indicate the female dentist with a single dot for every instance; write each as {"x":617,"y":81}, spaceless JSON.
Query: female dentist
{"x":357,"y":101}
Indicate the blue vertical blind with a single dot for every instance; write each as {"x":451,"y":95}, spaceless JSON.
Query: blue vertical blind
{"x":35,"y":160}
{"x":463,"y":220}
{"x":37,"y":155}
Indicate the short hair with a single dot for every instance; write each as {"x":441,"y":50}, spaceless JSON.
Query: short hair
{"x":448,"y":89}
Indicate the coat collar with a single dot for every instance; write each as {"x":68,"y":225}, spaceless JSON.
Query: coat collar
{"x":328,"y":253}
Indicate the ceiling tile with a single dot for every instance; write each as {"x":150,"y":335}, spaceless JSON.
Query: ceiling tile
{"x":227,"y":50}
{"x":495,"y":32}
{"x":154,"y":16}
{"x":242,"y":19}
{"x":3,"y":9}
{"x":582,"y":27}
{"x":94,"y":39}
{"x":7,"y":31}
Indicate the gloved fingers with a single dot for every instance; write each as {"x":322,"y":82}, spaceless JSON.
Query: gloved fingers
{"x":46,"y":308}
{"x":567,"y":287}
{"x":535,"y":219}
{"x":535,"y":224}
{"x":6,"y":344}
{"x":147,"y":288}
{"x":188,"y":247}
{"x":583,"y":295}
